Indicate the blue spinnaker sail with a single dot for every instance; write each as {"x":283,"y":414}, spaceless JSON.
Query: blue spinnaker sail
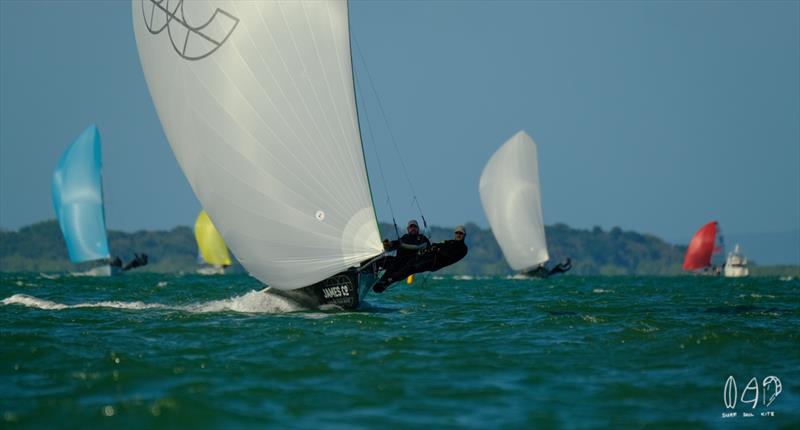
{"x":78,"y":198}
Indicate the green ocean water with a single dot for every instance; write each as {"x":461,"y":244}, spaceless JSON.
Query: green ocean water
{"x":162,"y":351}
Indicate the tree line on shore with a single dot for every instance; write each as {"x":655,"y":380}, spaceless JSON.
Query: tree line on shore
{"x":40,"y":248}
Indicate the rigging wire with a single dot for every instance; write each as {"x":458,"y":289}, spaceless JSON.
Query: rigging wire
{"x":415,"y":200}
{"x":360,"y":92}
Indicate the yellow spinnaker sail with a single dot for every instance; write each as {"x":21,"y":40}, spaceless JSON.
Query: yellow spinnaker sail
{"x":212,"y":246}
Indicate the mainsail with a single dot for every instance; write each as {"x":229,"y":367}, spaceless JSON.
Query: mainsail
{"x":257,"y":101}
{"x":704,"y":244}
{"x":78,"y":198}
{"x":509,"y":189}
{"x":209,"y":242}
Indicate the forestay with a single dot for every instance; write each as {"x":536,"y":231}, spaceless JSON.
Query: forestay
{"x":257,"y":101}
{"x":511,"y":199}
{"x":78,"y":198}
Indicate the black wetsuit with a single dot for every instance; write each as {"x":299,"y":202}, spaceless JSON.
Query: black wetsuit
{"x":544,"y":272}
{"x":434,"y":258}
{"x":561,"y":267}
{"x":405,"y":254}
{"x":443,"y":254}
{"x":407,"y":239}
{"x":138,"y":261}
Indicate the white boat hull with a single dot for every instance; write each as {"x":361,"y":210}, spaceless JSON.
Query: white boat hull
{"x":736,"y":264}
{"x":99,"y":271}
{"x":211,"y":270}
{"x":736,"y":271}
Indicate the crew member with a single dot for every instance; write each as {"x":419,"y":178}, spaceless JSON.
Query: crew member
{"x":407,"y":247}
{"x":431,"y":259}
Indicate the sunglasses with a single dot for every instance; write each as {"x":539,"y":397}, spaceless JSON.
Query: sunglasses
{"x":460,"y":232}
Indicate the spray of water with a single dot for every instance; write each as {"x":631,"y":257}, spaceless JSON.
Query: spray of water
{"x":251,"y":302}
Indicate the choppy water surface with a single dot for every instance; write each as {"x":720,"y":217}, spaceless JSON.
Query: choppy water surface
{"x":161,"y":351}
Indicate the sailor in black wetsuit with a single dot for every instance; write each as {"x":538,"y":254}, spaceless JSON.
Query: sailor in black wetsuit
{"x":139,"y":260}
{"x":435,"y":257}
{"x":541,"y":271}
{"x":561,"y":267}
{"x":407,"y":247}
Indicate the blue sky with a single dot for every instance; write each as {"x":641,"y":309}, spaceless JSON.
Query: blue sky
{"x":651,"y":116}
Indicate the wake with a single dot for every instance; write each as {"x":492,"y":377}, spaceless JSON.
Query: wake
{"x":252,"y":302}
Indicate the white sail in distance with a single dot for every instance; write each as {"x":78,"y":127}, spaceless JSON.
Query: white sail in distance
{"x":511,"y":199}
{"x":257,"y":101}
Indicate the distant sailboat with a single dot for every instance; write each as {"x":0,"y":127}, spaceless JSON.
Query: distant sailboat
{"x":78,"y":203}
{"x":736,"y":264}
{"x":258,"y":104}
{"x":706,"y":245}
{"x":509,"y":189}
{"x":211,"y":247}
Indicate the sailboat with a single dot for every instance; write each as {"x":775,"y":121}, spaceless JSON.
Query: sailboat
{"x":736,"y":264}
{"x":257,"y":101}
{"x":211,"y":248}
{"x":78,"y":203}
{"x":509,"y":189}
{"x":705,"y":247}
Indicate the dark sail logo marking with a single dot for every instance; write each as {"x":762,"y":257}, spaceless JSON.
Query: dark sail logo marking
{"x":190,"y":42}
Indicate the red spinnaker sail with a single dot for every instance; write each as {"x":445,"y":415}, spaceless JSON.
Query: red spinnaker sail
{"x":701,"y":247}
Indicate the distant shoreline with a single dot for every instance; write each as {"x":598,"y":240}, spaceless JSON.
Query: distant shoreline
{"x":40,"y":248}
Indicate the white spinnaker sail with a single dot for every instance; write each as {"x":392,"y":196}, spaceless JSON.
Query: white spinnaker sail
{"x":257,"y":101}
{"x":511,"y":199}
